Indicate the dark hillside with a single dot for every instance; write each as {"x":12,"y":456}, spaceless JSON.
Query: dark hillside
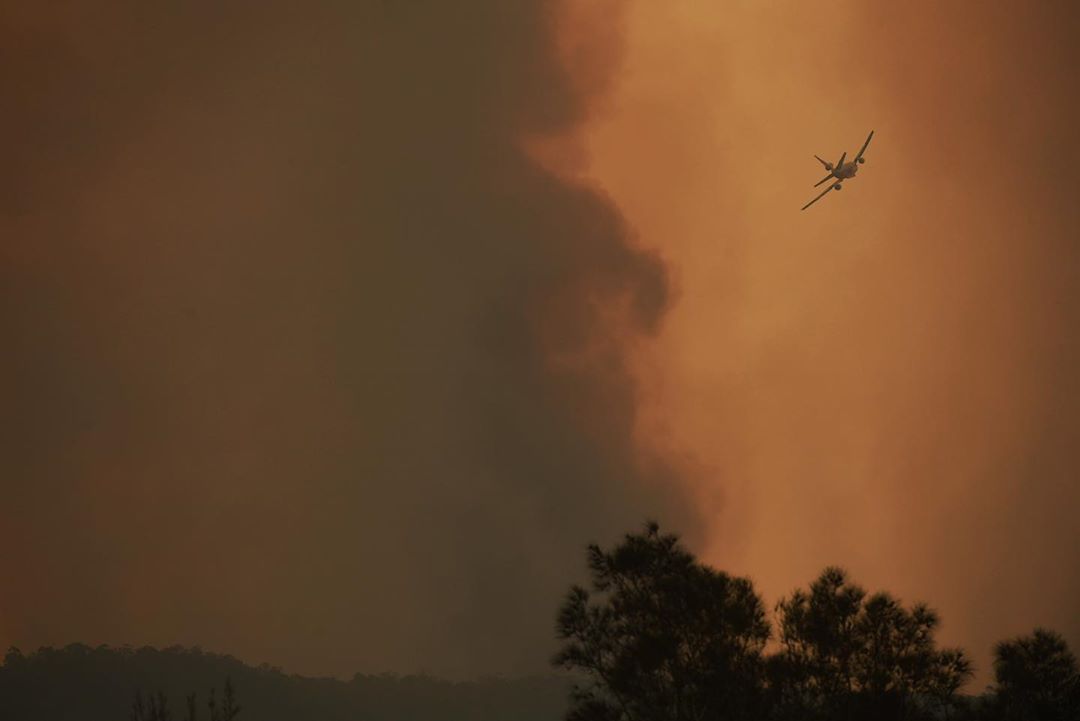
{"x":99,"y":684}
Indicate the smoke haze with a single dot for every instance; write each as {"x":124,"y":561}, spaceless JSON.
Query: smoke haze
{"x":305,"y":359}
{"x":888,"y":380}
{"x":325,"y":348}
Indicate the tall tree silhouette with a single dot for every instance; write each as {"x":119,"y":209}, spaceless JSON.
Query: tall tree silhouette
{"x":662,"y":636}
{"x":1036,"y":679}
{"x":228,"y":709}
{"x":846,"y":655}
{"x":192,"y":712}
{"x":155,"y":707}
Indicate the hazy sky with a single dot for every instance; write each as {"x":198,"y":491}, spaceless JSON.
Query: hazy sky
{"x":334,"y":333}
{"x":887,"y":381}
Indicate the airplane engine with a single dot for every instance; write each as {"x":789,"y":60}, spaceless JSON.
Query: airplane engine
{"x":862,"y":160}
{"x":838,"y":187}
{"x":829,"y":167}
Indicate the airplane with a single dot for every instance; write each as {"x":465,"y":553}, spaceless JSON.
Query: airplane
{"x":840,"y":172}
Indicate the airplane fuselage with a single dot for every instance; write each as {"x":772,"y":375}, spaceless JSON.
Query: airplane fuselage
{"x":847,"y":170}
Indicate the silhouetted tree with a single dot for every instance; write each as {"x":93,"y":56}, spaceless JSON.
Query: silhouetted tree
{"x":1036,"y":679}
{"x":138,"y":708}
{"x":845,"y":655}
{"x":156,"y":708}
{"x":229,"y":709}
{"x":666,"y":638}
{"x":191,"y":707}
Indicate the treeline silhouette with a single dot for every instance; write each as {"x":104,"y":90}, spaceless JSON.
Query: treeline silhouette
{"x":100,"y":684}
{"x":661,"y":636}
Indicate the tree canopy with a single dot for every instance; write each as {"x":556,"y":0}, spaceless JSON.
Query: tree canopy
{"x":846,"y":654}
{"x":1036,"y":678}
{"x":662,"y":636}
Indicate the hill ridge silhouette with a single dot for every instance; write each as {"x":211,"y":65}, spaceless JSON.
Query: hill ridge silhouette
{"x":98,"y":683}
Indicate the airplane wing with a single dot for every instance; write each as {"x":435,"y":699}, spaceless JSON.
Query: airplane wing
{"x":830,"y":176}
{"x":864,"y":145}
{"x":819,"y":197}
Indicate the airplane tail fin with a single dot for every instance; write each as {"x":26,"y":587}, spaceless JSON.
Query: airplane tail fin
{"x":840,"y":163}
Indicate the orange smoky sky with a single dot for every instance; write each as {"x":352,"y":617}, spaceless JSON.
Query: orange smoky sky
{"x":334,"y":333}
{"x":886,"y":381}
{"x":305,"y":359}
